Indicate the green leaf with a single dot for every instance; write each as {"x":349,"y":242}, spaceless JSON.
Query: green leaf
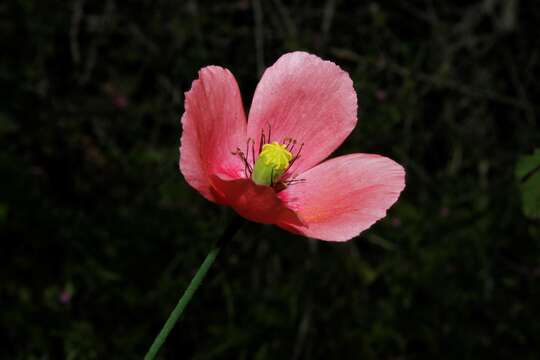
{"x":528,"y":175}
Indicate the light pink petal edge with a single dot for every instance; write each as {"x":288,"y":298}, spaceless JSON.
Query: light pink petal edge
{"x":214,"y":125}
{"x":344,"y":196}
{"x":306,"y":98}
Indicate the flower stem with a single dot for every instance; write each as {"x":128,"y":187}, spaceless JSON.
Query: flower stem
{"x":227,"y":235}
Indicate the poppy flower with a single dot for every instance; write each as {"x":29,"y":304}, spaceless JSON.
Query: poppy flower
{"x":270,"y":168}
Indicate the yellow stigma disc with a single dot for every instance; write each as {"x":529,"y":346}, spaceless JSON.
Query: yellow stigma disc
{"x":276,"y":155}
{"x":271,"y":164}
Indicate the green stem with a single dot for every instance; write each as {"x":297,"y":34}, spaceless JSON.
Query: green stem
{"x":233,"y":227}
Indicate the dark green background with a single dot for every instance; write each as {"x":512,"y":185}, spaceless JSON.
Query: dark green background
{"x":92,"y":204}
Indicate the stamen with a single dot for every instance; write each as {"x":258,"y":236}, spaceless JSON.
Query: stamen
{"x":253,"y":150}
{"x":262,"y":141}
{"x":293,"y":181}
{"x":247,"y":148}
{"x":283,"y":175}
{"x":293,"y":142}
{"x":248,"y":170}
{"x":295,"y":157}
{"x":300,"y":150}
{"x":269,"y":134}
{"x":287,"y":142}
{"x":282,"y":185}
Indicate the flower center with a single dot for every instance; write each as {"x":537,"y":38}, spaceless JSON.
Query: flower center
{"x":273,"y":160}
{"x":271,"y":164}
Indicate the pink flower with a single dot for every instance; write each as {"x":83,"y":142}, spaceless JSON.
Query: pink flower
{"x":269,"y":169}
{"x":444,"y":212}
{"x":120,"y":101}
{"x":65,"y":297}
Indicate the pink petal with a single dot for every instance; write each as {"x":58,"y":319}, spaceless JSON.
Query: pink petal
{"x":306,"y":98}
{"x":344,"y":196}
{"x":254,"y":202}
{"x":214,"y":125}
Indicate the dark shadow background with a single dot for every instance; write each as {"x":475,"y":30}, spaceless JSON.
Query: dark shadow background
{"x":101,"y":234}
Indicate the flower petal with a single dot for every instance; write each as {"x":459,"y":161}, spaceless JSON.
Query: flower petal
{"x":254,"y":202}
{"x":344,"y":196}
{"x":308,"y":99}
{"x":214,"y":125}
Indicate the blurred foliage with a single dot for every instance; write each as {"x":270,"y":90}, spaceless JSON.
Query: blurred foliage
{"x":528,"y":174}
{"x":101,"y":234}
